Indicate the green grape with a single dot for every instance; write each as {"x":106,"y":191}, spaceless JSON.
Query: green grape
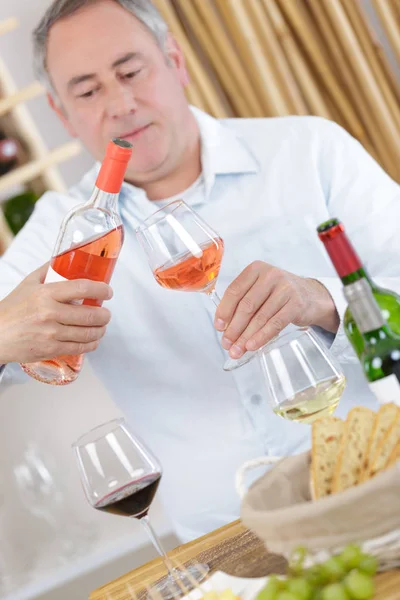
{"x":359,"y":585}
{"x":267,"y":594}
{"x":301,"y":588}
{"x":317,"y":594}
{"x":334,"y":591}
{"x":296,"y":560}
{"x":315,"y":575}
{"x":350,"y":557}
{"x":333,"y":569}
{"x":368,"y":564}
{"x":286,"y":596}
{"x":270,"y":591}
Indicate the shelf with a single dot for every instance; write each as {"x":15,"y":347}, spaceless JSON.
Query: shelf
{"x":8,"y":25}
{"x":9,"y":102}
{"x":39,"y":167}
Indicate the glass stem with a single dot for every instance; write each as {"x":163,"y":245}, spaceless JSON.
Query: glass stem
{"x":145,"y":521}
{"x":214,"y":296}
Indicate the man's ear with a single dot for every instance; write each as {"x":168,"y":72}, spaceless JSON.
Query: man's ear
{"x":61,"y":114}
{"x":177,"y":59}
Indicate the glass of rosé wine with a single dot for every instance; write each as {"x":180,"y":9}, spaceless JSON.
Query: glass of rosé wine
{"x":185,"y":254}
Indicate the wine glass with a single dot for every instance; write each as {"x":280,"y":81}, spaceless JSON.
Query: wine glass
{"x":43,"y":495}
{"x":185,"y":254}
{"x":304,"y":379}
{"x":120,"y":475}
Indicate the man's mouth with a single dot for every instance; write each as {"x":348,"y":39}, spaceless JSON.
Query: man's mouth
{"x":134,"y":133}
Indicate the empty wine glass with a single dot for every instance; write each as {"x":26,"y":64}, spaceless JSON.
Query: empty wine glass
{"x":43,"y":495}
{"x":185,"y":254}
{"x":304,"y":379}
{"x":120,"y":475}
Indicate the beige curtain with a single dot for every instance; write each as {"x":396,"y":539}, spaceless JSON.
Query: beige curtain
{"x":258,"y":58}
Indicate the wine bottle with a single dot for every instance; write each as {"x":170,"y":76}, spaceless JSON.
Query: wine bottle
{"x":350,"y":269}
{"x":380,"y":357}
{"x":9,"y":151}
{"x":18,"y":209}
{"x":88,"y":245}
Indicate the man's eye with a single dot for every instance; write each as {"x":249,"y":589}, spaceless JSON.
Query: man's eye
{"x":131,"y":74}
{"x":88,"y":94}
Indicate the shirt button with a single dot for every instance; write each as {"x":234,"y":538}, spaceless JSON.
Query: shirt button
{"x":256,"y":399}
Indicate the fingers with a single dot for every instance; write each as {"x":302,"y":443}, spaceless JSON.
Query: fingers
{"x":252,"y":312}
{"x":39,"y":275}
{"x":233,"y":295}
{"x":84,"y":335}
{"x":74,"y":348}
{"x":279,"y":297}
{"x":80,"y":289}
{"x":83,"y":316}
{"x":272,"y":328}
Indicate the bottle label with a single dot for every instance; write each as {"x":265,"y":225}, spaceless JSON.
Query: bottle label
{"x":54,"y":277}
{"x":387,"y":390}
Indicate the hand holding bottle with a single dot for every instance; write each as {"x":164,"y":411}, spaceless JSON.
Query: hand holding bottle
{"x":87,"y":247}
{"x":38,"y":322}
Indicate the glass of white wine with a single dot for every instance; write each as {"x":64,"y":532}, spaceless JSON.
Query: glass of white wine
{"x":304,"y":379}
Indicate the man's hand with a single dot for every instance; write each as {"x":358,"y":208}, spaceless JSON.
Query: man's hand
{"x":37,"y":321}
{"x":263,"y":300}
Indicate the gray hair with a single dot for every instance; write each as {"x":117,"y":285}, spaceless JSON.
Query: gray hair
{"x":143,"y":10}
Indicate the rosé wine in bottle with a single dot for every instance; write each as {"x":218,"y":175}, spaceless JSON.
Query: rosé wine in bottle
{"x":87,"y":247}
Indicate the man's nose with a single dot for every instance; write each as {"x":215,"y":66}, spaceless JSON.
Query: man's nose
{"x":121,"y":101}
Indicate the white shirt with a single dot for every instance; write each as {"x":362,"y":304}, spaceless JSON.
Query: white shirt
{"x":266,"y":185}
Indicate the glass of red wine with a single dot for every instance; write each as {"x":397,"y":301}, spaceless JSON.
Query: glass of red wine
{"x":185,"y":254}
{"x":120,"y":475}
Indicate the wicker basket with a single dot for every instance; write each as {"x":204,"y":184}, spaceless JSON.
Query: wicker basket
{"x":279,"y":509}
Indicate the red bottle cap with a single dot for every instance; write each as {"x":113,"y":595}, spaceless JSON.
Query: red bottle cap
{"x":113,"y":168}
{"x":341,"y":252}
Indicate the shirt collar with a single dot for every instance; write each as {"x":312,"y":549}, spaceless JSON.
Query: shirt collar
{"x":223,"y":152}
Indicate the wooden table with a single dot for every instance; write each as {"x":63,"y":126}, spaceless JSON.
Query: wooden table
{"x":233,"y":549}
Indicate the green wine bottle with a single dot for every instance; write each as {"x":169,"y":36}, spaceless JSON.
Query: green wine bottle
{"x":9,"y":152}
{"x":18,"y":209}
{"x":350,"y":269}
{"x":380,"y":357}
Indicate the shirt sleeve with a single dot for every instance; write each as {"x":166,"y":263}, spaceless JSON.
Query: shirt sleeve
{"x":363,"y":196}
{"x":33,"y":246}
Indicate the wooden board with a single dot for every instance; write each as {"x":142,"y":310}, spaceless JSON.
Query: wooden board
{"x":233,"y":549}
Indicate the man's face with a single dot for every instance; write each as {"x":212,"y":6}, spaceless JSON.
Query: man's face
{"x":113,"y":80}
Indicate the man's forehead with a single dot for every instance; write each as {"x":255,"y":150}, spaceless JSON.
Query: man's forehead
{"x":102,"y":12}
{"x":95,"y":25}
{"x":80,"y":44}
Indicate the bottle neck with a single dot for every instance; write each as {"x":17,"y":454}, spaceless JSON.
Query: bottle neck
{"x":363,"y":306}
{"x":342,"y":254}
{"x":105,"y":200}
{"x":356,"y":276}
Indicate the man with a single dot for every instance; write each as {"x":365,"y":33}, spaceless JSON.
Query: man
{"x":113,"y":69}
